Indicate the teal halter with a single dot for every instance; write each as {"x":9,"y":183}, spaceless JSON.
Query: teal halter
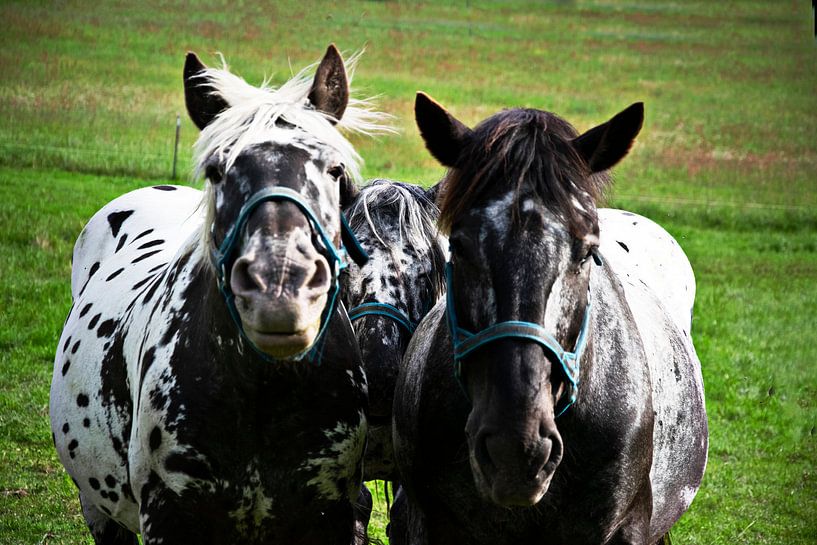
{"x":466,"y":342}
{"x":223,"y":254}
{"x":383,"y":309}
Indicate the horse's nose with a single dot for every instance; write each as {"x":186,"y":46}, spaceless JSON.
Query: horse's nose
{"x":532,"y":458}
{"x":281,"y":277}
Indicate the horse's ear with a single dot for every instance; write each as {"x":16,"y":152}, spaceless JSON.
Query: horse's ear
{"x":348,"y":192}
{"x":443,"y":134}
{"x":433,"y":192}
{"x":202,"y":105}
{"x":330,"y":88}
{"x":605,"y":145}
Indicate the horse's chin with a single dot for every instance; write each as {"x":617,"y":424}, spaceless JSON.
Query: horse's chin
{"x":507,"y":490}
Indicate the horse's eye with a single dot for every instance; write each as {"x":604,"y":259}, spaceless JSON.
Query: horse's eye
{"x":462,"y":248}
{"x":214,"y":173}
{"x":337,"y":172}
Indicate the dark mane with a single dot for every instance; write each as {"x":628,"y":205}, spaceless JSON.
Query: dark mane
{"x":525,"y":149}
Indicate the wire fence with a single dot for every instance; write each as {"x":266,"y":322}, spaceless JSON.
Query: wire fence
{"x":165,"y":165}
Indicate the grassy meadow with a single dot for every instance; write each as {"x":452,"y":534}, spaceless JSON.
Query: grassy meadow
{"x":727,"y":162}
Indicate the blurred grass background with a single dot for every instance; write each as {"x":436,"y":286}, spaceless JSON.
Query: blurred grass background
{"x":89,"y":94}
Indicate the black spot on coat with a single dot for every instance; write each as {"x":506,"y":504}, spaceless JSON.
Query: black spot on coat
{"x":121,"y":243}
{"x":151,"y":244}
{"x":106,"y":328}
{"x":94,"y":320}
{"x":145,"y":256}
{"x":141,"y":283}
{"x":143,"y":234}
{"x":155,"y":438}
{"x":116,"y":219}
{"x":82,"y":400}
{"x":127,"y":492}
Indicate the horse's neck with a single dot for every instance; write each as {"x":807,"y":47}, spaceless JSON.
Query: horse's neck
{"x":185,"y":308}
{"x":614,"y":346}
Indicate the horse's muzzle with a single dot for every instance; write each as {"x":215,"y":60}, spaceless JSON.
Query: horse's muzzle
{"x":281,"y":287}
{"x":512,"y":470}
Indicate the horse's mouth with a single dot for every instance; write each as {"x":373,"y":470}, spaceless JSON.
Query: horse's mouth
{"x":514,"y":485}
{"x":281,"y":344}
{"x":512,"y":492}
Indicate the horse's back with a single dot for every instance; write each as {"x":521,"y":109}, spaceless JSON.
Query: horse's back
{"x":118,"y":259}
{"x":139,"y":215}
{"x":680,"y":434}
{"x":642,"y":252}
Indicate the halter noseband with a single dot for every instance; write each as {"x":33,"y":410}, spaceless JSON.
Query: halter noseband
{"x":466,"y":342}
{"x":383,"y":309}
{"x":222,"y":255}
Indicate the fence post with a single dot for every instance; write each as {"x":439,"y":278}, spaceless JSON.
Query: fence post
{"x":176,"y":144}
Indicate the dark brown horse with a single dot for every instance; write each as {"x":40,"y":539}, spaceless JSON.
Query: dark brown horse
{"x":542,"y":403}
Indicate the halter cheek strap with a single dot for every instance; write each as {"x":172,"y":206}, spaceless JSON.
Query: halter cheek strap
{"x":383,"y":309}
{"x":466,"y":342}
{"x":222,"y":257}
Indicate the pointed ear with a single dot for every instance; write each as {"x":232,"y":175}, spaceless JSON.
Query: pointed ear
{"x":433,"y":192}
{"x":202,"y":105}
{"x":348,"y":192}
{"x":605,"y":145}
{"x":444,"y":135}
{"x":330,"y":88}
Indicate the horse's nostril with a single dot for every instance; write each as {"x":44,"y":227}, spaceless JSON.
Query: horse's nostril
{"x":483,"y":455}
{"x":320,"y":277}
{"x":243,"y":279}
{"x":555,"y":454}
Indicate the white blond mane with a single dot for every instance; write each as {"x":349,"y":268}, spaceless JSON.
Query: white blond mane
{"x":416,"y":226}
{"x":255,"y":112}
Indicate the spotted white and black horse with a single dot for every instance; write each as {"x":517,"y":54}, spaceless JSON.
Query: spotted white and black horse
{"x":207,"y":386}
{"x":555,"y":396}
{"x":396,"y":224}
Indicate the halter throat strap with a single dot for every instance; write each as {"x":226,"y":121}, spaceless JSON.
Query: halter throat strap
{"x":383,"y":309}
{"x":222,"y":257}
{"x":466,"y":342}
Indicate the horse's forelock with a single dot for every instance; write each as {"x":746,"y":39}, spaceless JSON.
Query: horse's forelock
{"x":525,"y":149}
{"x":415,"y":216}
{"x":255,"y":113}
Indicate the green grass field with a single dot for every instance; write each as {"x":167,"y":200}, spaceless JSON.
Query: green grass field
{"x":726,"y":162}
